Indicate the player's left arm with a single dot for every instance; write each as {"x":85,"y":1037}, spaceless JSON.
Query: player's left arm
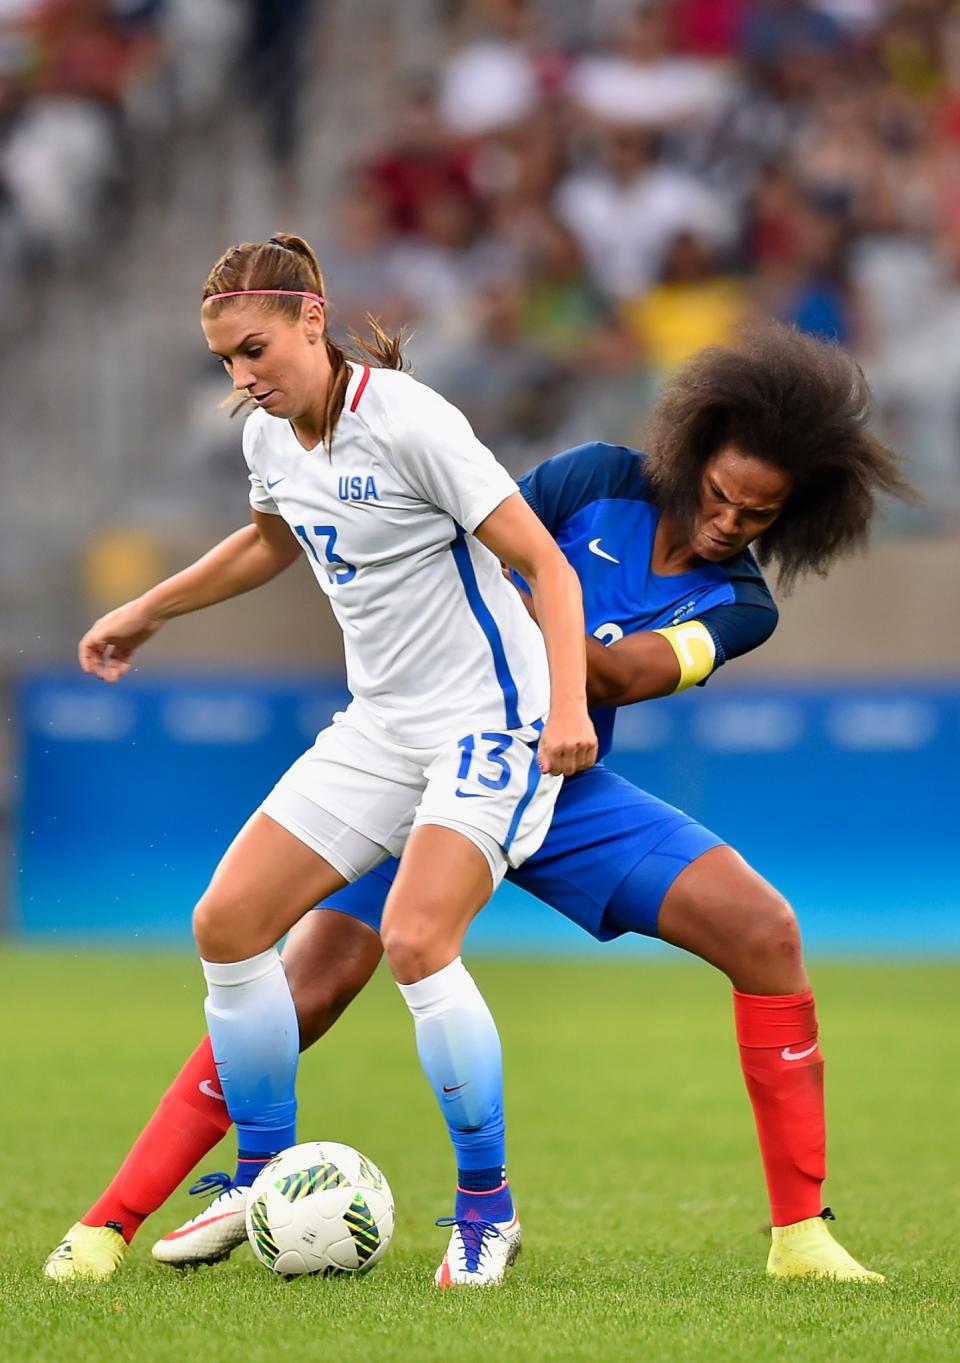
{"x":435,"y":450}
{"x":661,"y":662}
{"x":516,"y":536}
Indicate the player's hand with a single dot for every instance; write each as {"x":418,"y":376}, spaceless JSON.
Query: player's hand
{"x":525,"y":597}
{"x":107,"y":647}
{"x":568,"y":744}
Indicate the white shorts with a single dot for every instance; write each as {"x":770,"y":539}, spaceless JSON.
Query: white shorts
{"x":355,"y":796}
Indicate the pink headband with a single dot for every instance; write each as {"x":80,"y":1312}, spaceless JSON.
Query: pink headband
{"x":244,"y":293}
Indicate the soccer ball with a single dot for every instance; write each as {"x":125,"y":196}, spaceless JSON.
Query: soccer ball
{"x":322,"y":1208}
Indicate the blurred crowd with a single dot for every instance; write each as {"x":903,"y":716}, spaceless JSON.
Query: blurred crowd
{"x":93,"y":95}
{"x":560,"y":200}
{"x":577,"y":197}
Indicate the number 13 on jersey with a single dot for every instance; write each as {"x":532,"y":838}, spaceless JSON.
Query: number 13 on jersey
{"x":339,"y":571}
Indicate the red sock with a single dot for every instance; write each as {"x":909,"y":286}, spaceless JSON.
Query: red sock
{"x":783,"y":1067}
{"x":191,"y":1119}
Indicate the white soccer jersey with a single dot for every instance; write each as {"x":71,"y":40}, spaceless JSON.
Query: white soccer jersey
{"x":437,"y":642}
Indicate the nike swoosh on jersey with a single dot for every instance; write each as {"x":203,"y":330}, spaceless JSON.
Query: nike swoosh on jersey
{"x":470,"y":795}
{"x":594,"y":547}
{"x":207,"y":1088}
{"x":457,"y":1087}
{"x":271,"y":486}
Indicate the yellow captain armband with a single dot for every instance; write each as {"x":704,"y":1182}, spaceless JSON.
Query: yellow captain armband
{"x":695,"y":650}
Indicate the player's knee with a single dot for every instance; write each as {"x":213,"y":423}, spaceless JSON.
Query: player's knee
{"x":214,"y":930}
{"x":771,"y":932}
{"x":319,"y":999}
{"x":414,"y":951}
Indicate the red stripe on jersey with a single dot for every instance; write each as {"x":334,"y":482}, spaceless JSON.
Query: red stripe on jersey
{"x":359,"y":393}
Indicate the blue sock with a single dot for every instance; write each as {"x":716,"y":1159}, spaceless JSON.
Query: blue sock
{"x":256,"y":1041}
{"x":248,"y":1166}
{"x":483,"y":1195}
{"x":460,"y":1053}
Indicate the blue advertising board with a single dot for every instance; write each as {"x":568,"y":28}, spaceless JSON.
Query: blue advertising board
{"x":844,"y":796}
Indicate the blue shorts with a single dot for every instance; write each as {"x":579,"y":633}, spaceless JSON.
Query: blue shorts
{"x":604,"y":831}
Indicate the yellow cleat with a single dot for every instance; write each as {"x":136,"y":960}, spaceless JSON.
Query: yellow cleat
{"x":86,"y":1252}
{"x":808,"y":1250}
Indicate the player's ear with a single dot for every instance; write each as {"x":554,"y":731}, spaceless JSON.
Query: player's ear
{"x":314,"y":322}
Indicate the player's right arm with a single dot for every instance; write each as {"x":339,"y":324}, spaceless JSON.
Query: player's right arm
{"x":649,"y":663}
{"x":645,"y":665}
{"x":246,"y":559}
{"x":659,"y":662}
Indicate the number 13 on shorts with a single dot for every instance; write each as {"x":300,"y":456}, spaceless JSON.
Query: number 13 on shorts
{"x":473,"y":758}
{"x":492,"y":782}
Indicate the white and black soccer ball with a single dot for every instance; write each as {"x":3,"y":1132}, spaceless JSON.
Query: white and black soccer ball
{"x":320,"y":1207}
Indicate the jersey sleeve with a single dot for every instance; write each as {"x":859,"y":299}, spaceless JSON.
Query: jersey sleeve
{"x":741,"y":626}
{"x":559,"y":487}
{"x":433,"y":447}
{"x":260,"y":498}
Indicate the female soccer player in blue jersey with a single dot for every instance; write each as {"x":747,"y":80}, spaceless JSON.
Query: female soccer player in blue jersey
{"x":765,"y":445}
{"x":396,"y":504}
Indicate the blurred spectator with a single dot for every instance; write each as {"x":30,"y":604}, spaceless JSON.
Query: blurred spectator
{"x":274,"y":62}
{"x":512,"y":393}
{"x":419,"y":164}
{"x":496,"y":80}
{"x":693,"y":305}
{"x":521,"y":164}
{"x":916,"y":378}
{"x":770,"y":215}
{"x":559,"y":310}
{"x":65,"y":151}
{"x":709,"y":28}
{"x":837,"y":158}
{"x":911,"y":42}
{"x":360,"y":263}
{"x":805,"y":283}
{"x":778,"y":32}
{"x":793,"y":49}
{"x":638,"y":81}
{"x":444,"y":273}
{"x":626,"y":210}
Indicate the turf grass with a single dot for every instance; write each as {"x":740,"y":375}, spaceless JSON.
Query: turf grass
{"x":631,"y":1152}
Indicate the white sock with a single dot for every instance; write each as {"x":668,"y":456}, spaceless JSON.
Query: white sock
{"x":256,"y":1043}
{"x":460,"y":1052}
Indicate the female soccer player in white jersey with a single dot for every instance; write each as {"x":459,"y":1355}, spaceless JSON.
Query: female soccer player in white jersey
{"x":464,"y":717}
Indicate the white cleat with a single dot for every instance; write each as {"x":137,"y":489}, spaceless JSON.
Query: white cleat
{"x":212,"y":1234}
{"x":479,"y":1252}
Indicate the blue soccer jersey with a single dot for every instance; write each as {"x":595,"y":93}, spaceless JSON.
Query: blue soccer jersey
{"x":595,"y":501}
{"x":606,"y":833}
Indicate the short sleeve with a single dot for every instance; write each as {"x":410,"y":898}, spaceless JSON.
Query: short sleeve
{"x":741,"y":626}
{"x":433,"y":447}
{"x":560,"y":487}
{"x":260,"y":498}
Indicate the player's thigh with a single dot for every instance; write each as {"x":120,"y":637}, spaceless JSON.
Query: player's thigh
{"x":489,"y":785}
{"x":330,"y":818}
{"x":351,"y":797}
{"x":721,"y":909}
{"x":365,"y":898}
{"x":611,"y":846}
{"x":329,"y":956}
{"x":266,"y":881}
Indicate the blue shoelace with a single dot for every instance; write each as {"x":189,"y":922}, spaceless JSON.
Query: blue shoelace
{"x":210,"y":1185}
{"x":473,"y":1234}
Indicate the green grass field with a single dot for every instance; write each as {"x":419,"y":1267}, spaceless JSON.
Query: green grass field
{"x":631,"y":1152}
